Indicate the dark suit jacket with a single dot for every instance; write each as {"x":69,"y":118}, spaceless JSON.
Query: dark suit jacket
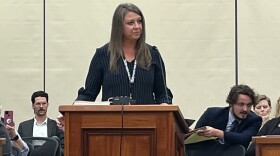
{"x":269,"y":126}
{"x":217,"y":117}
{"x":25,"y":129}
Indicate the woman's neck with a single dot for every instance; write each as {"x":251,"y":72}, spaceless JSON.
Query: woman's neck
{"x":40,"y":119}
{"x":129,"y":51}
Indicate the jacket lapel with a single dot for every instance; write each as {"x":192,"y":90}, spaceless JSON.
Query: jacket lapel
{"x":49,"y":127}
{"x":30,"y":126}
{"x":224,"y":119}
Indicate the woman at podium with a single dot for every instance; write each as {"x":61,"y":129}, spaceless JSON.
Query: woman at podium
{"x":127,"y":66}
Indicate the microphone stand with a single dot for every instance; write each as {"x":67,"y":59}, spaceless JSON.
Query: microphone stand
{"x":122,"y":100}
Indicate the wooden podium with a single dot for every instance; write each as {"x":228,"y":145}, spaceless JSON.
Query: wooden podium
{"x":128,"y":130}
{"x":267,"y":145}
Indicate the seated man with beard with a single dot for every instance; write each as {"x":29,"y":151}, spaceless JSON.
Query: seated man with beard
{"x":40,"y":125}
{"x":231,"y":126}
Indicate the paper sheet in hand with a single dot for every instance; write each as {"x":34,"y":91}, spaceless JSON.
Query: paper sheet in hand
{"x":194,"y":138}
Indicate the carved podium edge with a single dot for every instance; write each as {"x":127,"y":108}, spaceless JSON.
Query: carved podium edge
{"x":116,"y":130}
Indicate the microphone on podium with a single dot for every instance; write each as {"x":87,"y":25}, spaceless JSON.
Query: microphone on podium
{"x":122,"y":100}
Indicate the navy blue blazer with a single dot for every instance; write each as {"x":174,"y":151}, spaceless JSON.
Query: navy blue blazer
{"x":148,"y":88}
{"x":217,"y":117}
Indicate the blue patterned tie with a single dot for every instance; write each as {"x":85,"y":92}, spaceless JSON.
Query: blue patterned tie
{"x":234,"y":125}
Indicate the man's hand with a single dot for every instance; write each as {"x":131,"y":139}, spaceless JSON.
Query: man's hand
{"x":11,"y":131}
{"x":61,"y":122}
{"x":211,"y":132}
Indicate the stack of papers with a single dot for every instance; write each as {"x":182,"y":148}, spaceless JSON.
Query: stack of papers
{"x":194,"y":138}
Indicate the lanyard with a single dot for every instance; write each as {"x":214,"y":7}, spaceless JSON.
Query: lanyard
{"x":131,"y":78}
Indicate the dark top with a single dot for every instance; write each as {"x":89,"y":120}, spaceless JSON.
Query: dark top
{"x":271,"y":127}
{"x":217,"y":117}
{"x":148,"y":87}
{"x":7,"y":147}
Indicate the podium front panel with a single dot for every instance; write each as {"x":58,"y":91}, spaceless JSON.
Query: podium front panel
{"x":98,"y":131}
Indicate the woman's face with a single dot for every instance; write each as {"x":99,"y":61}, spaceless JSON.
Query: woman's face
{"x":132,"y":27}
{"x":262,"y":108}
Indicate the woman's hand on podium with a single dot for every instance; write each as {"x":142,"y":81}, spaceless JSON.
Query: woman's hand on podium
{"x":60,"y":122}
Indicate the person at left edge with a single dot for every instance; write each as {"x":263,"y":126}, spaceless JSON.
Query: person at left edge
{"x":127,"y":65}
{"x":19,"y":147}
{"x":7,"y":147}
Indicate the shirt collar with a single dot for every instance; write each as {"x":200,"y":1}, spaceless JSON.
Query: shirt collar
{"x":43,"y":123}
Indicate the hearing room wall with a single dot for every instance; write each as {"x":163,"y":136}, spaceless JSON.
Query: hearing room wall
{"x":196,"y":39}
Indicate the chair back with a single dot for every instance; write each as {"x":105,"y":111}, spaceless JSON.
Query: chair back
{"x":59,"y":151}
{"x":31,"y":148}
{"x":42,"y":146}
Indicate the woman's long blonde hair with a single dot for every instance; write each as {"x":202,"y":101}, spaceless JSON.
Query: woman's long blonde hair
{"x":143,"y":55}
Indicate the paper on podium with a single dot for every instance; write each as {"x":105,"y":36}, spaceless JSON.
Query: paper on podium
{"x":91,"y":103}
{"x":194,"y":138}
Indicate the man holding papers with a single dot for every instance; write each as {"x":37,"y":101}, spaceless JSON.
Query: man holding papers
{"x":226,"y":127}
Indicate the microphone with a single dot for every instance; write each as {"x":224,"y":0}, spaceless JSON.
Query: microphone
{"x":122,"y":100}
{"x":168,"y":99}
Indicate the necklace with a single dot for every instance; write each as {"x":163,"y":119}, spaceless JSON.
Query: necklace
{"x":130,"y":78}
